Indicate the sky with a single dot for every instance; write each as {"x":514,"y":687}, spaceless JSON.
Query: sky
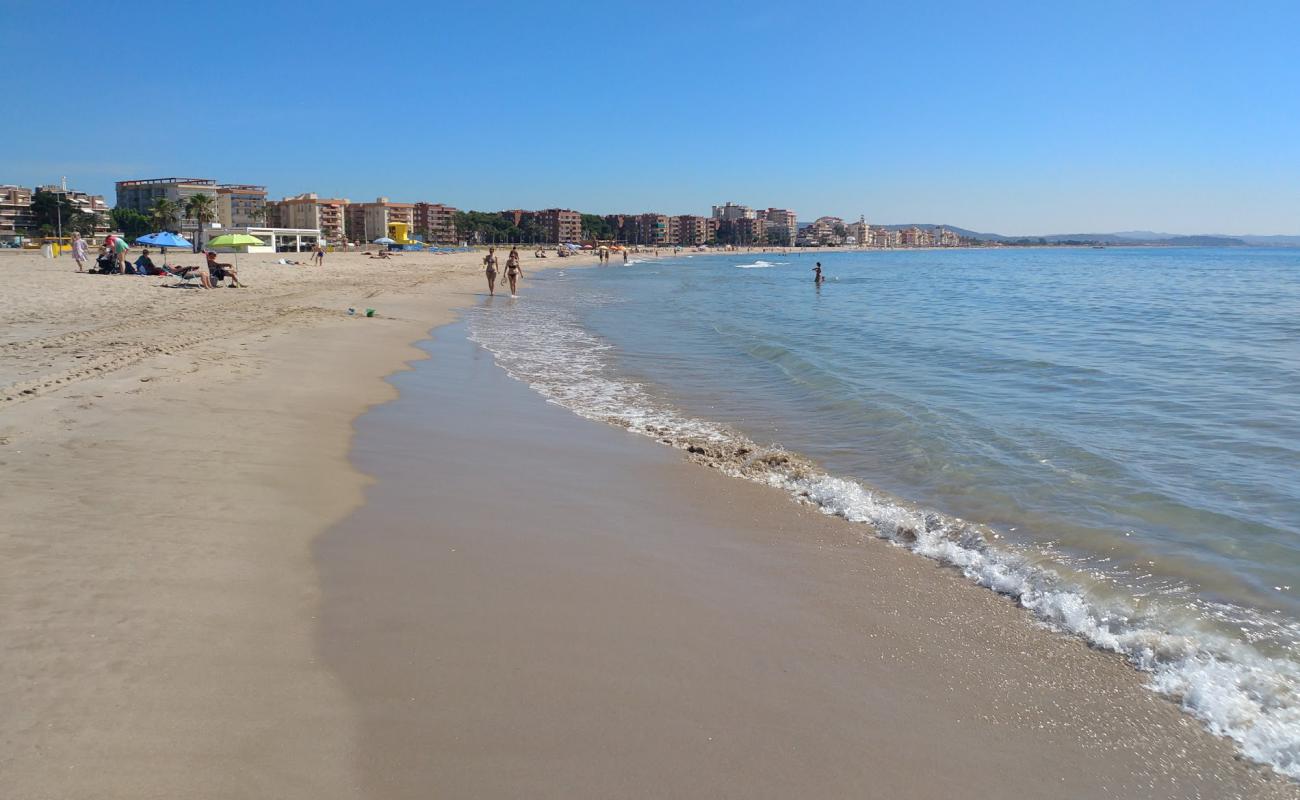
{"x":1014,"y":118}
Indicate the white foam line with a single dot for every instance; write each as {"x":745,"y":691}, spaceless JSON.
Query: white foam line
{"x":1236,"y":690}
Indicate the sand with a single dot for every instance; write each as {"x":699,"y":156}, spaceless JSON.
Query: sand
{"x":195,"y":603}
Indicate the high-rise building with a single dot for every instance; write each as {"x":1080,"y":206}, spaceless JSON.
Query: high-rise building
{"x":435,"y":221}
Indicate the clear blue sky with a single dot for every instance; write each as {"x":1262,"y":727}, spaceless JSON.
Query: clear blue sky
{"x":1016,"y":118}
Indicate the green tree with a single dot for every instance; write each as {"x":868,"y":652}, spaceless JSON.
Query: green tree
{"x":164,"y":214}
{"x":82,"y":223}
{"x":49,"y":208}
{"x":130,"y":222}
{"x":595,"y":226}
{"x":201,"y":208}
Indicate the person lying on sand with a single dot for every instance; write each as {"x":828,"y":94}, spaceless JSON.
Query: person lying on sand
{"x":380,"y":254}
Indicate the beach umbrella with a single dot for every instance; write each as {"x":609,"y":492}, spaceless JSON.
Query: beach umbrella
{"x":164,"y":239}
{"x":235,"y":240}
{"x":384,"y":240}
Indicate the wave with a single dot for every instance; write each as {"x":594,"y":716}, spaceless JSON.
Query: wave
{"x":1236,"y":689}
{"x":756,"y":265}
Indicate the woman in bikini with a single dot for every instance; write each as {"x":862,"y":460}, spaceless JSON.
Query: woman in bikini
{"x":513,"y":270}
{"x":490,"y":269}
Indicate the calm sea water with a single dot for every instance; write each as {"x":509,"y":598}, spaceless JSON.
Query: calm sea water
{"x":1110,"y":436}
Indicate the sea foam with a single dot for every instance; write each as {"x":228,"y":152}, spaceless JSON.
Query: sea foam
{"x":1236,"y":689}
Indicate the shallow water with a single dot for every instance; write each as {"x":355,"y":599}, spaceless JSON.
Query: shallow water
{"x":1111,"y":436}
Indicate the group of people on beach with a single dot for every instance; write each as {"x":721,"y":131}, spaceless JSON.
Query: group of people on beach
{"x":112,"y":260}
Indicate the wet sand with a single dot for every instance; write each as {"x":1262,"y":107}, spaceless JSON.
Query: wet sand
{"x":534,"y":605}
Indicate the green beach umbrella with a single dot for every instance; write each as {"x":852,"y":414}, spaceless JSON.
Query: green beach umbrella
{"x":234,"y":240}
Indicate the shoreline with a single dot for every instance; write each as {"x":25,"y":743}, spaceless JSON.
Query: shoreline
{"x":596,"y":609}
{"x":163,"y":481}
{"x":159,"y":595}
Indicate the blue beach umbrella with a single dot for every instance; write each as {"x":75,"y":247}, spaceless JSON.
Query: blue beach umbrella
{"x":164,"y":239}
{"x":384,"y":240}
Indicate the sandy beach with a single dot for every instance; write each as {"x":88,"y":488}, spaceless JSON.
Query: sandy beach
{"x":237,"y":562}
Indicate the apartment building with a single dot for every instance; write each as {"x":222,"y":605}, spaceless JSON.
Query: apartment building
{"x":140,"y":195}
{"x":435,"y":221}
{"x":305,"y":211}
{"x":366,"y":222}
{"x":732,"y":211}
{"x":16,"y":215}
{"x":781,"y":226}
{"x":694,"y":230}
{"x":15,"y":210}
{"x":241,"y":205}
{"x":742,"y":231}
{"x":560,"y":224}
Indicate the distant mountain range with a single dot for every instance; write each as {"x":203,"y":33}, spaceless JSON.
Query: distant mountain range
{"x":1124,"y":237}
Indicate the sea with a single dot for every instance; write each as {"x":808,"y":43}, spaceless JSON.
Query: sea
{"x":1111,"y":437}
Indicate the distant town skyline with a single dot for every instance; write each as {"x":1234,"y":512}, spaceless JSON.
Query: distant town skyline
{"x":1012,"y":118}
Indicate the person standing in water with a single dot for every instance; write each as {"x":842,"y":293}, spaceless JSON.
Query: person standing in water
{"x":490,"y":270}
{"x":818,"y":278}
{"x":513,"y":270}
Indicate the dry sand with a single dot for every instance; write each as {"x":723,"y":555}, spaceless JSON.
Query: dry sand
{"x":171,"y":457}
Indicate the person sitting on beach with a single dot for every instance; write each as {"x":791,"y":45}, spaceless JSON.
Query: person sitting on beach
{"x":220,"y":272}
{"x":104,"y":262}
{"x":144,"y":265}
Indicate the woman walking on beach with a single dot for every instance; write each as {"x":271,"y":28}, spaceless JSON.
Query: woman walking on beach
{"x":513,"y":270}
{"x":490,"y":270}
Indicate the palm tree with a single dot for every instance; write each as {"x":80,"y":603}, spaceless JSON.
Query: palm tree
{"x":164,"y":214}
{"x":202,"y":209}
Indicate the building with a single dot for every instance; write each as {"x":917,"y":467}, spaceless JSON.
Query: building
{"x":858,"y":233}
{"x":560,"y":224}
{"x":366,"y":222}
{"x":742,"y":231}
{"x":18,"y":217}
{"x":140,"y":195}
{"x":16,"y":210}
{"x":435,"y":222}
{"x":781,"y":226}
{"x":654,"y":230}
{"x":241,"y":205}
{"x":693,"y":231}
{"x":328,"y":215}
{"x":731,"y":211}
{"x":276,"y":240}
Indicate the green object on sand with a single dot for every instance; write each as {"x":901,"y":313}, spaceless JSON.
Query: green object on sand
{"x":370,"y":312}
{"x":234,"y":240}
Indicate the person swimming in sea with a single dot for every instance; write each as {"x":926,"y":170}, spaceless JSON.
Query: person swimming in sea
{"x":819,"y":278}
